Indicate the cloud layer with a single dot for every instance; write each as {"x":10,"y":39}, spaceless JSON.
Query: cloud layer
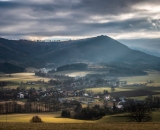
{"x":120,"y":19}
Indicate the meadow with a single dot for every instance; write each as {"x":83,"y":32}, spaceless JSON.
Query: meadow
{"x":135,"y":91}
{"x":50,"y":117}
{"x":18,"y":77}
{"x":53,"y":121}
{"x":55,"y":117}
{"x":152,"y":75}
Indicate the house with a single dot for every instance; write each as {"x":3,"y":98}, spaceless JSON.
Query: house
{"x":20,"y":95}
{"x":121,"y":107}
{"x":85,"y":94}
{"x":107,"y":97}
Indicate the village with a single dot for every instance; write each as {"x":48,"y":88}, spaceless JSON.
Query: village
{"x":63,"y":92}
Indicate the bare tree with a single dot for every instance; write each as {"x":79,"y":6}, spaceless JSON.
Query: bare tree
{"x":140,"y":113}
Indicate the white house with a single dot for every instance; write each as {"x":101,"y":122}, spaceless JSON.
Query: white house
{"x":20,"y":95}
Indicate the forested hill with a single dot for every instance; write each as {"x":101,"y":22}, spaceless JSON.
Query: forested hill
{"x":10,"y":68}
{"x":96,"y":50}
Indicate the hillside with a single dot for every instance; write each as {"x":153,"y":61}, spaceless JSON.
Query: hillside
{"x":97,"y":49}
{"x":10,"y":68}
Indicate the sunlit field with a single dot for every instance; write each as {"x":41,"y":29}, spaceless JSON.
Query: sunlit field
{"x":55,"y":117}
{"x":51,"y":117}
{"x":18,"y":77}
{"x":53,"y":121}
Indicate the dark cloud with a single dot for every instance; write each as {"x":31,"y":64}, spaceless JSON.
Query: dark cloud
{"x":73,"y":17}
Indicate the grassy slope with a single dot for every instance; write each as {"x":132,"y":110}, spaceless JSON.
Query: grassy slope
{"x":54,"y":117}
{"x":52,"y":121}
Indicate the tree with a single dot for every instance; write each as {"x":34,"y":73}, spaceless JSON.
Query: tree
{"x":105,"y":92}
{"x":65,"y":113}
{"x":36,"y":119}
{"x":140,"y":113}
{"x":78,"y":108}
{"x":112,"y":89}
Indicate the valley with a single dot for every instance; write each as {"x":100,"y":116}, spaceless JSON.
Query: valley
{"x":134,"y":88}
{"x":79,"y":81}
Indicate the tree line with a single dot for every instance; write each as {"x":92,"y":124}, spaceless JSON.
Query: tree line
{"x":28,"y":107}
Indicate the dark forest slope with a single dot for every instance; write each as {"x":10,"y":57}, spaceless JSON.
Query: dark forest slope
{"x":97,"y":49}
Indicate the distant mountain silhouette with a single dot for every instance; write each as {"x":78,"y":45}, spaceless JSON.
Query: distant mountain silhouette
{"x":97,"y":49}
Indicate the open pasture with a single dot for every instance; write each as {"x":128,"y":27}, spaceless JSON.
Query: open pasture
{"x":51,"y":117}
{"x":18,"y":77}
{"x":53,"y":121}
{"x":54,"y":117}
{"x":122,"y":118}
{"x":152,"y":75}
{"x":136,"y":92}
{"x":15,"y":79}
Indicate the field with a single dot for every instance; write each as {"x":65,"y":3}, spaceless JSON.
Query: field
{"x":101,"y":89}
{"x":51,"y":117}
{"x":52,"y":121}
{"x":137,"y":92}
{"x":152,"y":75}
{"x":80,"y":126}
{"x":55,"y":117}
{"x":18,"y":77}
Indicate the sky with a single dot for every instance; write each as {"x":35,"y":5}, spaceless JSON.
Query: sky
{"x":129,"y":21}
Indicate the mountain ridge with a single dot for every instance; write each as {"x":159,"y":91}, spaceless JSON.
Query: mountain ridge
{"x":96,"y":49}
